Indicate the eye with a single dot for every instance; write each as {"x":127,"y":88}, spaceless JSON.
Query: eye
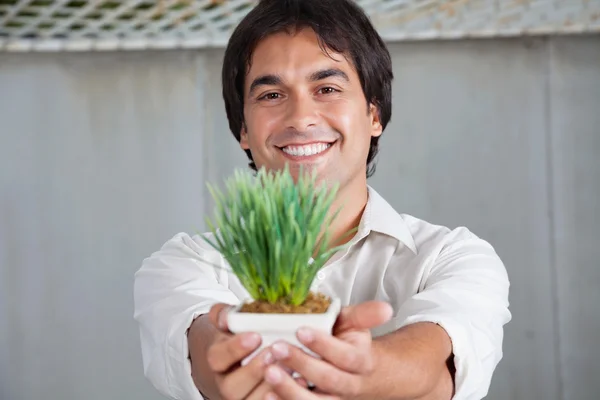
{"x":270,"y":96}
{"x":327,"y":90}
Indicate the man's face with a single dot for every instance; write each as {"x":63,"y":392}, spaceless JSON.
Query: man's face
{"x":304,"y":108}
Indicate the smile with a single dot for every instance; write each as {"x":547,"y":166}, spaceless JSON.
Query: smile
{"x":306,"y":150}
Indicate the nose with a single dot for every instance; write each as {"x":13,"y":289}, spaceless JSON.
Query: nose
{"x":301,"y":113}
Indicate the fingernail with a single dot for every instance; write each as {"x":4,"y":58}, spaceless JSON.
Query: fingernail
{"x":306,"y":335}
{"x":268,"y":358}
{"x":280,"y":350}
{"x":270,"y":396}
{"x":222,"y":319}
{"x":273,"y":375}
{"x":250,"y":341}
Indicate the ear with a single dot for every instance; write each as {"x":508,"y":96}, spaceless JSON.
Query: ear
{"x":376,"y":128}
{"x":244,"y":137}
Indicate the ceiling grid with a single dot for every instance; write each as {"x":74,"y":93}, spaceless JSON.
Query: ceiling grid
{"x":87,"y":25}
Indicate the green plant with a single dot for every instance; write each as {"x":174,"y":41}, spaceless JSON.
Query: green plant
{"x":268,"y":227}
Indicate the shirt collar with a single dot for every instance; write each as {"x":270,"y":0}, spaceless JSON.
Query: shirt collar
{"x":379,"y":216}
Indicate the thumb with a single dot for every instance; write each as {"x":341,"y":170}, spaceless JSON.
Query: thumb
{"x":218,"y":316}
{"x":363,"y":316}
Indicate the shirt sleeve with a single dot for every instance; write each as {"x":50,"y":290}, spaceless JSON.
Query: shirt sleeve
{"x":465,"y":291}
{"x":176,"y":284}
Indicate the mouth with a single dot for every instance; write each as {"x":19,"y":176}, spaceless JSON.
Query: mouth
{"x":306,"y":151}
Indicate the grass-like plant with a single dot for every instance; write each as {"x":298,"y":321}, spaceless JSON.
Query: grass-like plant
{"x":268,"y":227}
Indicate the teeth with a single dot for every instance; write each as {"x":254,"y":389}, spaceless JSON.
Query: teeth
{"x":306,"y":150}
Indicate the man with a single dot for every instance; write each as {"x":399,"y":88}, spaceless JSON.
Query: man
{"x":308,"y":83}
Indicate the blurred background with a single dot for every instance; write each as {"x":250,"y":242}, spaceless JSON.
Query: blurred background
{"x":112,"y":120}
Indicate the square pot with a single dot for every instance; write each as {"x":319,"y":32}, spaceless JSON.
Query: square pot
{"x":276,"y":327}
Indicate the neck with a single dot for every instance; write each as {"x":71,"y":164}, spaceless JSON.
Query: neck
{"x":351,"y":201}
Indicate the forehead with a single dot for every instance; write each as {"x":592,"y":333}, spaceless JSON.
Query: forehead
{"x":293,"y":55}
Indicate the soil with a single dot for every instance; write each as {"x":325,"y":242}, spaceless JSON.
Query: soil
{"x":316,"y":303}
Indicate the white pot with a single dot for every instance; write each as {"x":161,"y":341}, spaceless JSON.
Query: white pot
{"x":276,"y":327}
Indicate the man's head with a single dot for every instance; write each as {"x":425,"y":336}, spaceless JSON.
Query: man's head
{"x":308,"y":83}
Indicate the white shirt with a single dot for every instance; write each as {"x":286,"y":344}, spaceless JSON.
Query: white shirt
{"x":426,"y":272}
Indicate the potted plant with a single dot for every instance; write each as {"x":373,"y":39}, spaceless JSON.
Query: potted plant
{"x":273,"y":233}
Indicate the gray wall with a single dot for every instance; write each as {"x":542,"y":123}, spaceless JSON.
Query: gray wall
{"x":104,"y":156}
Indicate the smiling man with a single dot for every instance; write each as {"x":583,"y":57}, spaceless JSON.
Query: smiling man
{"x":307,"y":83}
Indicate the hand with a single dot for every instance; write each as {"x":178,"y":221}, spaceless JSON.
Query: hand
{"x":224,"y":357}
{"x":347,"y":357}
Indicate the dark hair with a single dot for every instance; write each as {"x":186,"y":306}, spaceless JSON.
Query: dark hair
{"x":340,"y":25}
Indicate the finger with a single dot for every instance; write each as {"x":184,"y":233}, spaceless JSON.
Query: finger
{"x":218,"y":316}
{"x":224,"y":354}
{"x":239,"y":383}
{"x":363,"y":316}
{"x":261,"y":392}
{"x":287,"y":388}
{"x":353,"y":357}
{"x":322,"y":374}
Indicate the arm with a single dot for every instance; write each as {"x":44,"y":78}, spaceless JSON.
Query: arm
{"x":414,"y":362}
{"x":454,"y":323}
{"x":458,"y":316}
{"x":174,"y":286}
{"x":201,"y":335}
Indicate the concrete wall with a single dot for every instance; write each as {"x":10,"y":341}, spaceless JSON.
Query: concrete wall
{"x":104,"y":156}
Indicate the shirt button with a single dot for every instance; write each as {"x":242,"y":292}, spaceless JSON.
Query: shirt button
{"x":321,"y":275}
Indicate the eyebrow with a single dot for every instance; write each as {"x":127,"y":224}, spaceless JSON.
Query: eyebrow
{"x":328,"y":73}
{"x":272,"y":80}
{"x":264,"y":80}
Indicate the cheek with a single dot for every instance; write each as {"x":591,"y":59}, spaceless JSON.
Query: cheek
{"x":259,"y":122}
{"x":350,"y":119}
